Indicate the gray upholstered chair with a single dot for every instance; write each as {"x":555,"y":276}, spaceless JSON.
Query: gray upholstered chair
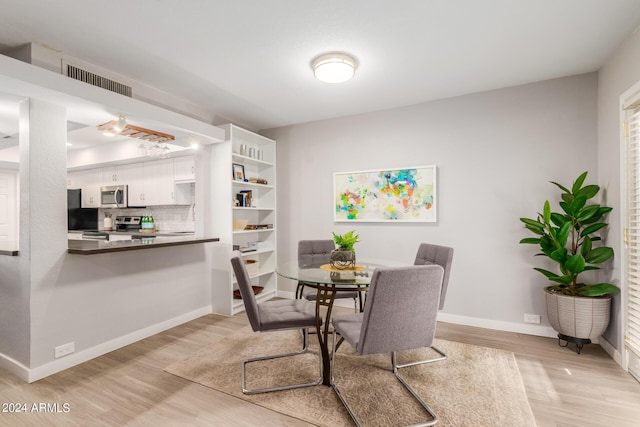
{"x":400,"y":314}
{"x":429,"y":254}
{"x":435,"y":254}
{"x":275,"y":315}
{"x":314,"y":253}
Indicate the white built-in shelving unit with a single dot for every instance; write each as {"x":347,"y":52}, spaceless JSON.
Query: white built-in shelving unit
{"x":261,"y":213}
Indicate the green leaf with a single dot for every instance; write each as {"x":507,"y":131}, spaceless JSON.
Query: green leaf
{"x":560,"y":187}
{"x":586,"y":246}
{"x":605,"y":209}
{"x":575,"y":264}
{"x":598,"y":290}
{"x":578,"y":182}
{"x":546,"y":213}
{"x":535,"y":230}
{"x":565,"y":206}
{"x":599,"y":255}
{"x":532,"y":223}
{"x":588,"y":191}
{"x":558,"y":219}
{"x":567,"y":198}
{"x":530,"y":240}
{"x":577,"y":204}
{"x":602,"y":211}
{"x":587,"y":212}
{"x":592,"y":228}
{"x":559,"y":255}
{"x":563,"y":233}
{"x":547,"y":273}
{"x":565,"y":280}
{"x":591,"y":267}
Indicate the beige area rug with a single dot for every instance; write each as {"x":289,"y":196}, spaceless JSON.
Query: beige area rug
{"x":475,"y":386}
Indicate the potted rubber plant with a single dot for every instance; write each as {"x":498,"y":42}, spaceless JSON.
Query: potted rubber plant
{"x":344,"y":256}
{"x":578,"y":311}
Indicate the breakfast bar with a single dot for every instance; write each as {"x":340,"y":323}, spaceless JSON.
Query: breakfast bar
{"x":92,"y":247}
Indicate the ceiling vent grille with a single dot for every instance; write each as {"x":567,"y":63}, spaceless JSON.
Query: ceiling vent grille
{"x":97,"y":80}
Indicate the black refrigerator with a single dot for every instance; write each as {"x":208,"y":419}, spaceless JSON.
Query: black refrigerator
{"x":79,"y":218}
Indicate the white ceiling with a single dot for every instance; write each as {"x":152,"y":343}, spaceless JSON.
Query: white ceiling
{"x":249,"y":60}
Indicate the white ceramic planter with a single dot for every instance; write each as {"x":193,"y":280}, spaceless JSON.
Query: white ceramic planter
{"x":578,"y":317}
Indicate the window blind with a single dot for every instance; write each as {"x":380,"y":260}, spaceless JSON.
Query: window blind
{"x":632,"y":231}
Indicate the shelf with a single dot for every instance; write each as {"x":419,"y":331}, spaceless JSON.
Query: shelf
{"x":251,"y":184}
{"x":250,"y":160}
{"x":241,"y":208}
{"x":260,"y":273}
{"x":254,"y":231}
{"x":256,"y":252}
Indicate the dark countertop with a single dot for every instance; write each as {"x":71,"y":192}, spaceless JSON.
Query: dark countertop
{"x":92,"y":247}
{"x":9,"y":248}
{"x":134,"y":232}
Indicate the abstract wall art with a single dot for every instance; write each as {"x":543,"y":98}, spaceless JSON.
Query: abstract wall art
{"x":395,"y":195}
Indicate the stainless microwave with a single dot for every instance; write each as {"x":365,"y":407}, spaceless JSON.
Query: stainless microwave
{"x":114,"y":196}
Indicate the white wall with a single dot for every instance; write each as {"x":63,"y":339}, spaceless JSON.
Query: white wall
{"x":496,"y":153}
{"x":99,"y":302}
{"x":620,"y":73}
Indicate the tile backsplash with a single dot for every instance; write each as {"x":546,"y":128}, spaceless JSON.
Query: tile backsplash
{"x":167,"y":218}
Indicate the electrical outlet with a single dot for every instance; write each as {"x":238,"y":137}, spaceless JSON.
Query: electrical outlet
{"x":64,"y":349}
{"x":532,"y":318}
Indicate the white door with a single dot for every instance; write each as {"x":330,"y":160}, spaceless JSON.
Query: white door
{"x":8,"y":207}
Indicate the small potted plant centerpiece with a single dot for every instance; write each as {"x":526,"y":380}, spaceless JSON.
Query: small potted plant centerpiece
{"x":344,"y":256}
{"x":578,"y":311}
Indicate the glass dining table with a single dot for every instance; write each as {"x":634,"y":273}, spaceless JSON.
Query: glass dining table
{"x":328,"y":281}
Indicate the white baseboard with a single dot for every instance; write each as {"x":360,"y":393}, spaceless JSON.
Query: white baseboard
{"x":522,"y":328}
{"x":34,"y":374}
{"x":613,"y":352}
{"x":14,"y":366}
{"x":538,"y":330}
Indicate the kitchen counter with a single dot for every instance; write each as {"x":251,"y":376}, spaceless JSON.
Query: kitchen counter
{"x":9,"y":248}
{"x":92,"y":246}
{"x":137,"y":232}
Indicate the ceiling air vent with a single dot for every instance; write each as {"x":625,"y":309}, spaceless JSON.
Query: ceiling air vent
{"x":97,"y":80}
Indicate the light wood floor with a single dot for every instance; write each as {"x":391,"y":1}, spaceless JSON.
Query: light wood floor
{"x":129,"y":386}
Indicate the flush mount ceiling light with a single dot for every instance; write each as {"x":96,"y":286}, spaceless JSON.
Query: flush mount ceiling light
{"x":334,"y":67}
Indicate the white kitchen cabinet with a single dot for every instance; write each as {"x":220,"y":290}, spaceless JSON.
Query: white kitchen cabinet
{"x":89,"y":181}
{"x":152,"y":183}
{"x":73,"y":181}
{"x":260,"y":242}
{"x":120,"y":174}
{"x":184,"y":169}
{"x":158,"y":182}
{"x":132,"y":176}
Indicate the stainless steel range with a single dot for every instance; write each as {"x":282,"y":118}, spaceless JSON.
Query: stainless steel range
{"x":128,"y":223}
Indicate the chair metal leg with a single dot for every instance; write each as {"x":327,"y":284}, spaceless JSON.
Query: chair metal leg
{"x":420,"y":362}
{"x":245,"y":362}
{"x":335,"y":387}
{"x":395,"y":367}
{"x":415,"y":395}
